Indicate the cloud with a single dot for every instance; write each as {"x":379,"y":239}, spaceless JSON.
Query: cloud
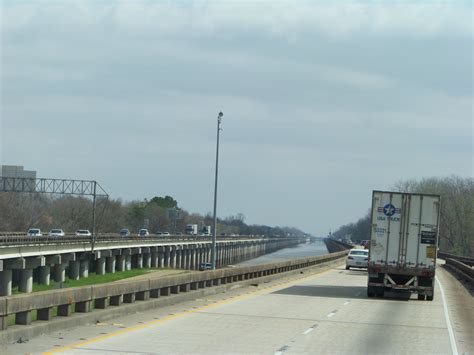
{"x":211,"y":18}
{"x":321,"y":100}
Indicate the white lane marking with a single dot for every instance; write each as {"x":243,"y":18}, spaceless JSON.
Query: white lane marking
{"x":278,"y":353}
{"x":452,"y":340}
{"x":346,"y":303}
{"x":332,"y":313}
{"x":307,"y":331}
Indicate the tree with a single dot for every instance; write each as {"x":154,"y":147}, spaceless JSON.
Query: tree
{"x":164,"y":202}
{"x":456,"y":229}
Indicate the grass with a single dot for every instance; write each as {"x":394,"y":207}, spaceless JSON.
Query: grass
{"x":93,"y":279}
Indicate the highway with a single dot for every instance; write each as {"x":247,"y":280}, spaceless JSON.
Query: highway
{"x":324,"y":312}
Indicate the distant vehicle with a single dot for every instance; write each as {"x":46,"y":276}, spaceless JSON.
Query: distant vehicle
{"x":34,"y":232}
{"x":357,"y":258}
{"x":163,"y":234}
{"x":206,"y":231}
{"x":205,"y":266}
{"x":404,"y":241}
{"x":143,"y":232}
{"x":365,"y":243}
{"x":191,"y":229}
{"x":56,"y":233}
{"x":83,"y":233}
{"x":124,"y":232}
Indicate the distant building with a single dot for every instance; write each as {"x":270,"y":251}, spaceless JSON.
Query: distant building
{"x":17,"y":171}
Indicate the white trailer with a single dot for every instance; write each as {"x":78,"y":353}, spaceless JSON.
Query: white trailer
{"x":403,"y":243}
{"x":206,"y":231}
{"x":191,"y":229}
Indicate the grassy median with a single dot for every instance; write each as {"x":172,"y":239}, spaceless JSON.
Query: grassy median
{"x":93,"y":279}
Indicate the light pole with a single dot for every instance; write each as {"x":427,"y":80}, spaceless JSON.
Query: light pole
{"x":214,"y":235}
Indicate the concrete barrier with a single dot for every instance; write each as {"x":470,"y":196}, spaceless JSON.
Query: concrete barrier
{"x":464,"y":271}
{"x":82,"y":299}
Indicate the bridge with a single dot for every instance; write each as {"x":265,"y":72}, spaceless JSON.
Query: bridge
{"x":319,"y":308}
{"x":310,"y":305}
{"x":24,"y":260}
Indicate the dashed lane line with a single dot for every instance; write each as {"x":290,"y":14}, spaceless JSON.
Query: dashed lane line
{"x":247,"y":295}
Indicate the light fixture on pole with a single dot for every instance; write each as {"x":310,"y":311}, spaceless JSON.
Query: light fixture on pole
{"x":214,"y":234}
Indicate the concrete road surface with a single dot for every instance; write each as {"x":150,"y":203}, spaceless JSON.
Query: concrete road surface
{"x":317,"y":314}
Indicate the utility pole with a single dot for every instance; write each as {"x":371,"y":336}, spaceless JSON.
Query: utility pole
{"x":214,"y":234}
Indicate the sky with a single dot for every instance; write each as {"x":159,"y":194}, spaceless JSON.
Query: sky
{"x":323,"y":101}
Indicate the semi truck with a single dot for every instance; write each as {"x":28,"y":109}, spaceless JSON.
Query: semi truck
{"x":206,"y":231}
{"x":403,"y":243}
{"x":191,"y":229}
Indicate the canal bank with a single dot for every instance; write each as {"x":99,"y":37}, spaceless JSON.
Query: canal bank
{"x":303,"y":250}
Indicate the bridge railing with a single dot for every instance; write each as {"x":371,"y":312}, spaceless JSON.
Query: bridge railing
{"x":463,"y":259}
{"x":89,"y":298}
{"x":12,"y":240}
{"x":460,"y":265}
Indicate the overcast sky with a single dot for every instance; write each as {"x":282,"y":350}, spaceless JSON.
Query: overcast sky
{"x":323,"y":101}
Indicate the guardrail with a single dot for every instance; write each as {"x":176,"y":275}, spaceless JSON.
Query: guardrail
{"x":464,"y":271}
{"x":464,"y":259}
{"x":81,"y":299}
{"x":334,"y":245}
{"x":12,"y":240}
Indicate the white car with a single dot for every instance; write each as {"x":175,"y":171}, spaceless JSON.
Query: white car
{"x":34,"y":232}
{"x":357,"y":258}
{"x":83,"y":233}
{"x":56,"y":233}
{"x":143,"y":232}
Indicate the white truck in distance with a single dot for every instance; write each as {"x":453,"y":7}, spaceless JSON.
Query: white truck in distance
{"x":403,"y":243}
{"x":191,"y":229}
{"x":206,"y":231}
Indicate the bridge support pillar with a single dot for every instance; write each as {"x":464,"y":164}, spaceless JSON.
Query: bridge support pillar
{"x":6,"y":283}
{"x":161,"y":257}
{"x":74,"y":267}
{"x":173,"y":257}
{"x":26,"y":281}
{"x":194,"y":257}
{"x":121,"y":262}
{"x":147,"y":260}
{"x":100,"y":266}
{"x":179,"y":255}
{"x":84,"y":269}
{"x":59,"y":272}
{"x":199,"y":256}
{"x":128,"y":262}
{"x":139,"y":259}
{"x":154,"y":259}
{"x":167,"y":256}
{"x":182,"y":264}
{"x":45,"y":275}
{"x":110,"y":264}
{"x":188,"y":257}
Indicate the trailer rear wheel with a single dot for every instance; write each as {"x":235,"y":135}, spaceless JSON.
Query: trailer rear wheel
{"x":379,"y":292}
{"x":421,"y":297}
{"x":430,"y":298}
